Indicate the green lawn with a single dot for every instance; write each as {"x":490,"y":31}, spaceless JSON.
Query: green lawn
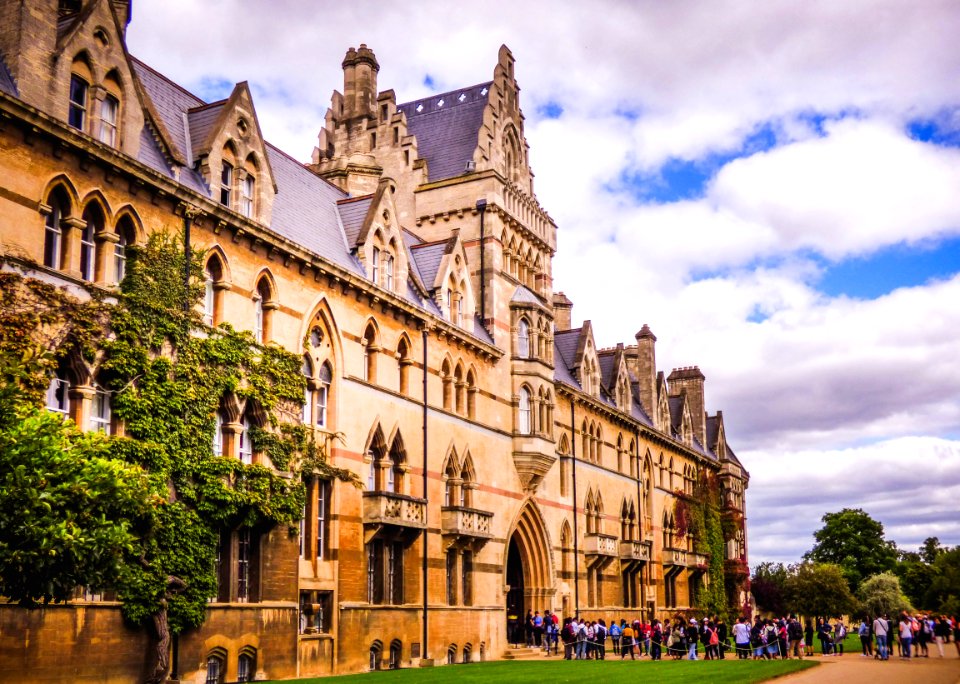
{"x":559,"y":670}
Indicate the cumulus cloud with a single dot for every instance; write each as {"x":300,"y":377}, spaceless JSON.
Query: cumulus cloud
{"x":829,"y":401}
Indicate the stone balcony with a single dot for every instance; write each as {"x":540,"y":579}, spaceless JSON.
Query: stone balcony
{"x":631,"y":551}
{"x":600,"y":545}
{"x":676,"y":557}
{"x":460,"y":522}
{"x":736,"y":567}
{"x":405,"y":515}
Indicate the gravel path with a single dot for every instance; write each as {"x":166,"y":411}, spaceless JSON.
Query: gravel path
{"x":854,"y":669}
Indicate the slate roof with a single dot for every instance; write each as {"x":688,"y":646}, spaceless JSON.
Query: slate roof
{"x":447,"y":133}
{"x":353,"y":211}
{"x":6,"y":80}
{"x":305,"y":210}
{"x":150,"y":153}
{"x":427,"y":257}
{"x":201,"y":121}
{"x":522,"y":295}
{"x":676,"y":411}
{"x":608,"y":368}
{"x":565,"y":353}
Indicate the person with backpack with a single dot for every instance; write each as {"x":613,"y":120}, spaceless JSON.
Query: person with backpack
{"x":656,"y":640}
{"x":794,"y":637}
{"x":881,"y":630}
{"x":582,"y":640}
{"x":722,"y":638}
{"x":627,"y":641}
{"x":600,"y":639}
{"x":615,"y":637}
{"x":569,"y":637}
{"x":863,"y":631}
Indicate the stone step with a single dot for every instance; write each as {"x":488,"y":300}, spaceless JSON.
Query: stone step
{"x":524,"y":653}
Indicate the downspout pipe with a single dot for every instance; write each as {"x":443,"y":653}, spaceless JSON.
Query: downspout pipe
{"x":642,"y":599}
{"x":424,"y":651}
{"x":482,"y":208}
{"x":576,"y":532}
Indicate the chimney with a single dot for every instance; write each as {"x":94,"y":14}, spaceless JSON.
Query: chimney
{"x":646,"y":370}
{"x":360,"y":69}
{"x":562,"y":311}
{"x":689,"y":381}
{"x":124,"y":14}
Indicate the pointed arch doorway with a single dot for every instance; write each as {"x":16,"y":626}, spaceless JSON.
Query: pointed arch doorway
{"x":527,"y":573}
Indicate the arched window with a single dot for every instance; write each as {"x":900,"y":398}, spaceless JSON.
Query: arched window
{"x":397,"y":466}
{"x":53,"y":234}
{"x":451,"y":481}
{"x":218,"y":435}
{"x":619,"y":453}
{"x":376,"y":654}
{"x":452,"y":654}
{"x":263,"y":306}
{"x":375,"y":266}
{"x":228,"y":161}
{"x":460,"y":403}
{"x":523,"y":339}
{"x":216,"y":669}
{"x":247,"y":195}
{"x":109,"y":111}
{"x":396,"y":650}
{"x":79,"y":90}
{"x":471,"y":394}
{"x":468,"y":481}
{"x":100,"y":415}
{"x":58,"y":392}
{"x":388,"y":262}
{"x":246,"y":444}
{"x":247,"y":664}
{"x":403,"y":365}
{"x":376,"y":456}
{"x":212,"y":288}
{"x":126,"y":236}
{"x":370,"y":349}
{"x":523,"y":407}
{"x":322,"y":396}
{"x":92,"y":224}
{"x":446,"y":376}
{"x":307,"y":371}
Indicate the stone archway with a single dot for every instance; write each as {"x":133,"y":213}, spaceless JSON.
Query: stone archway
{"x":527,"y":572}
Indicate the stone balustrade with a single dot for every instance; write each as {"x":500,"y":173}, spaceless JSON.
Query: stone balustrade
{"x":389,"y":508}
{"x":466,"y":522}
{"x":600,"y":545}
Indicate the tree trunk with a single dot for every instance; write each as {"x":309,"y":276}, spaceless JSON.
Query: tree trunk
{"x":162,"y":631}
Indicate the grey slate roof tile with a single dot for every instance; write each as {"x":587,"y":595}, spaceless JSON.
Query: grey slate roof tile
{"x":201,"y":121}
{"x":151,"y":155}
{"x":608,"y":368}
{"x":564,"y":353}
{"x":169,"y":100}
{"x":352,"y":214}
{"x":523,"y":295}
{"x":676,"y":411}
{"x":427,"y":257}
{"x":7,"y":84}
{"x":447,"y":134}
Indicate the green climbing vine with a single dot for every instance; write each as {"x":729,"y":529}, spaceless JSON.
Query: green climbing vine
{"x":699,"y":514}
{"x":168,"y":375}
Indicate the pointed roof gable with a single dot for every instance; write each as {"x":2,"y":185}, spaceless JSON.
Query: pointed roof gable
{"x":447,"y":128}
{"x":354,"y":212}
{"x":427,"y":256}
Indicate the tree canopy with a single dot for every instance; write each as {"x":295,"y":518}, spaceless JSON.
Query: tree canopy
{"x":767,"y":586}
{"x":880,"y":594}
{"x":855,"y":542}
{"x":818,"y":589}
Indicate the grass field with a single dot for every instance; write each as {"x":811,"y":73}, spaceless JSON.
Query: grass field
{"x":538,"y":671}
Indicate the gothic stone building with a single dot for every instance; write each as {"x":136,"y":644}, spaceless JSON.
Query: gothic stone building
{"x":530,"y":468}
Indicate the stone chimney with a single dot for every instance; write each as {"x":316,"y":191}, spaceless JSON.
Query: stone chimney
{"x":124,"y":14}
{"x":360,"y":69}
{"x":646,"y":370}
{"x":562,"y":312}
{"x":689,"y":381}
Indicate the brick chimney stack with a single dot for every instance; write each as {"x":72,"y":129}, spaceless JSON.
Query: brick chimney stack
{"x":689,"y":381}
{"x":562,"y":312}
{"x":646,"y":370}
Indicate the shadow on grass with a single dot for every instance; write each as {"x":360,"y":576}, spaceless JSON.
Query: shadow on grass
{"x":558,"y":670}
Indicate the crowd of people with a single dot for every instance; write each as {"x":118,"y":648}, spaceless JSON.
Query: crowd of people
{"x":711,"y":639}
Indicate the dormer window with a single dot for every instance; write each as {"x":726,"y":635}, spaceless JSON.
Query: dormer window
{"x":77,"y":115}
{"x":109,"y":108}
{"x":375,"y":266}
{"x":388,"y":271}
{"x":226,"y":183}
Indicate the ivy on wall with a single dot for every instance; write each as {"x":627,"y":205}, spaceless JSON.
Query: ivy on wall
{"x":168,"y":376}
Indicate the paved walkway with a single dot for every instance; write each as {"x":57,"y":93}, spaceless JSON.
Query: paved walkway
{"x":852,"y":669}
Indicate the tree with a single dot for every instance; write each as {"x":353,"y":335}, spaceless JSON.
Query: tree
{"x":854,"y":541}
{"x":154,"y":501}
{"x":943,"y":594}
{"x":818,"y":590}
{"x":930,"y":549}
{"x":69,"y":512}
{"x":881,"y":595}
{"x":767,"y":586}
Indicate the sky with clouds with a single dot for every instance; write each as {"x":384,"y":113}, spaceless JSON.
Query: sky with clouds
{"x":776,"y":184}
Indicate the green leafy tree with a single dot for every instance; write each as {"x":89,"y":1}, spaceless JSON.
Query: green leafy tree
{"x":767,"y":586}
{"x":854,"y":541}
{"x":943,"y":594}
{"x":930,"y":549}
{"x":881,"y":595}
{"x":157,"y":495}
{"x":915,"y":577}
{"x":818,"y":590}
{"x":69,"y":512}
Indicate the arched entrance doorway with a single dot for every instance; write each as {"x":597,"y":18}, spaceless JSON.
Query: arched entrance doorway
{"x":527,"y":571}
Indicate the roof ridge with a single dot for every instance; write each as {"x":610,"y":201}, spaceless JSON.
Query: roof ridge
{"x":299,"y":163}
{"x":440,"y":95}
{"x":430,"y":244}
{"x":208,"y":105}
{"x":347,"y":200}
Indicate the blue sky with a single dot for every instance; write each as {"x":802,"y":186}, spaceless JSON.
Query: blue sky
{"x":772,"y":187}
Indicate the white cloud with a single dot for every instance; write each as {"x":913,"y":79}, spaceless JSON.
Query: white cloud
{"x":804,"y":380}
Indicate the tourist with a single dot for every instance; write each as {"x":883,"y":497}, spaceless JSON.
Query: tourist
{"x":656,"y":639}
{"x":569,"y":637}
{"x":627,"y":640}
{"x":756,"y":638}
{"x":741,"y":638}
{"x":600,"y":639}
{"x":693,"y":634}
{"x":794,"y":638}
{"x":722,"y":637}
{"x":823,"y":635}
{"x":906,"y":635}
{"x":941,"y":633}
{"x":808,"y":636}
{"x":881,"y":630}
{"x":863,"y":631}
{"x":615,"y":636}
{"x":839,"y":634}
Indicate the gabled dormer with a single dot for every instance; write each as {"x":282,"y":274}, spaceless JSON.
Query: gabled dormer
{"x":661,"y":419}
{"x":69,"y":60}
{"x":375,"y":236}
{"x":681,"y":420}
{"x":225,"y":143}
{"x":443,"y":267}
{"x":586,"y":364}
{"x":616,"y":377}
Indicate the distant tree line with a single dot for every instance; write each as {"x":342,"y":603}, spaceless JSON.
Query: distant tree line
{"x":853,"y":569}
